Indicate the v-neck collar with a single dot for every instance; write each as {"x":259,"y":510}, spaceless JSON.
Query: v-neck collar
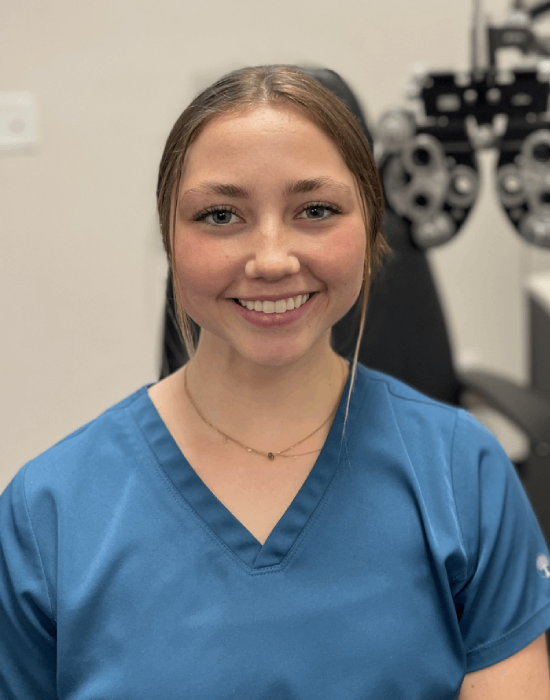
{"x":217,"y":516}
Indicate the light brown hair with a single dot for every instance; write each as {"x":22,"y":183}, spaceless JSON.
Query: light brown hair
{"x":242,"y":90}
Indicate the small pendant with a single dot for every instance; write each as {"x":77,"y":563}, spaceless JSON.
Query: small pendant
{"x":271,"y":456}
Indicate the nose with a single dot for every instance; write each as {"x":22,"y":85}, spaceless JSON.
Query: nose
{"x":272,"y":256}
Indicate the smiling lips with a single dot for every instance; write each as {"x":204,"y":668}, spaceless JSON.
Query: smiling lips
{"x":276,"y":307}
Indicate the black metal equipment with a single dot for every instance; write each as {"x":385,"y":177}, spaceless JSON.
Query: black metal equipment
{"x":428,"y":161}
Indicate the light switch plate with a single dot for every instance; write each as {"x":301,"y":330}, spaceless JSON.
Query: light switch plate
{"x":18,"y":121}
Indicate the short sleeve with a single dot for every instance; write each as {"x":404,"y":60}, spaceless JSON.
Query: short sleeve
{"x":28,"y":634}
{"x":503,"y":596}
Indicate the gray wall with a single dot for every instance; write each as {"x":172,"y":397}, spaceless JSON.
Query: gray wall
{"x":81,"y":264}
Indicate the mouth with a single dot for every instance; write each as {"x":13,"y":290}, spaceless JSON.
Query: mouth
{"x":276,"y":307}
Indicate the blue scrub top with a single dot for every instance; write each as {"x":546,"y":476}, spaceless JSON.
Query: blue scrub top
{"x":409,"y":557}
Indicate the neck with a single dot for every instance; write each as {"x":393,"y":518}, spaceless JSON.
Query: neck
{"x":265,"y":402}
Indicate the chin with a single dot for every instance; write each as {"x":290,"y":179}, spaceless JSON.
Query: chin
{"x":275,"y":362}
{"x":282,"y":353}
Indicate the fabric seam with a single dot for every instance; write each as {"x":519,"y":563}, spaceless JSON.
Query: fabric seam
{"x":464,"y":574}
{"x":457,"y":414}
{"x":488,"y":645}
{"x":35,"y":541}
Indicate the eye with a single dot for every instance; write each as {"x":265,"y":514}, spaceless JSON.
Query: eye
{"x":320,"y":211}
{"x":219,"y":216}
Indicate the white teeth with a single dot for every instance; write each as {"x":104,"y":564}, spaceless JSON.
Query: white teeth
{"x":276,"y":307}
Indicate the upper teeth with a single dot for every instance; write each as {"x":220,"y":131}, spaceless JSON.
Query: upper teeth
{"x":276,"y":307}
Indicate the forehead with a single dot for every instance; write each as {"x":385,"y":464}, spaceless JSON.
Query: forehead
{"x":282,"y":136}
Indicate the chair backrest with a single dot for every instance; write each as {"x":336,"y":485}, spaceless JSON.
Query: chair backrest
{"x":405,"y":332}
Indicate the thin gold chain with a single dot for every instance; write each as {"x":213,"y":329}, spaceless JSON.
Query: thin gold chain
{"x":270,"y":455}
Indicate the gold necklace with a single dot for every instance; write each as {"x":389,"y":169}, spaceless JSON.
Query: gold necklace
{"x":270,"y":455}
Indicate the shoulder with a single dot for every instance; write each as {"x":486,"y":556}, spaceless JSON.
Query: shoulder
{"x":86,"y":453}
{"x":412,"y":412}
{"x":382,"y":383}
{"x":436,"y":440}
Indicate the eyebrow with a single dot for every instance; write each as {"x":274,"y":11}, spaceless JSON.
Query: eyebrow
{"x":297,"y":187}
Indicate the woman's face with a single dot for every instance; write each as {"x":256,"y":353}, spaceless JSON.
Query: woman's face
{"x":267,"y":212}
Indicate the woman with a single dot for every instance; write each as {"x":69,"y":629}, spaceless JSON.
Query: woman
{"x":272,"y":521}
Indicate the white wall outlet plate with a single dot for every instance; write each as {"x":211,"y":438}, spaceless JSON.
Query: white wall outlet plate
{"x":18,"y":121}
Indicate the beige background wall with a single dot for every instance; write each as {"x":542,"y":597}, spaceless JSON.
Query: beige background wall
{"x":81,"y":266}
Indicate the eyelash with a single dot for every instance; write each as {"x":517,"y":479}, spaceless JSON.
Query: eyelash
{"x":201,"y":216}
{"x":321,"y":205}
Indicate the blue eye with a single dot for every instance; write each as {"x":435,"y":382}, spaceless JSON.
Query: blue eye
{"x":223,"y":215}
{"x":220,"y":216}
{"x":320,"y":211}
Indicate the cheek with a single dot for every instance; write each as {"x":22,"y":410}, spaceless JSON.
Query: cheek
{"x":201,"y":268}
{"x":345,"y":264}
